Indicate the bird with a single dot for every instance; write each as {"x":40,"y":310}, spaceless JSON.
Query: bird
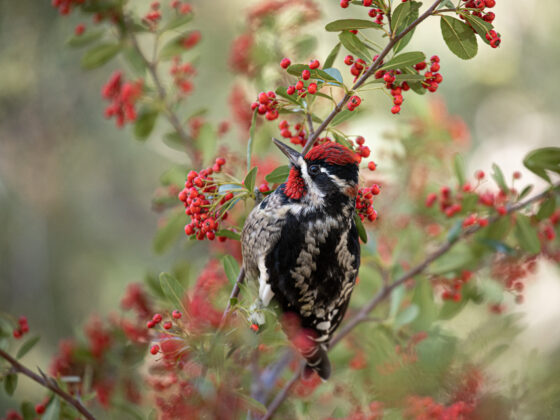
{"x":302,"y":246}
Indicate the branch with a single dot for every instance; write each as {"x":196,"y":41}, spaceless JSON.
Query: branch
{"x":363,"y":314}
{"x":374,"y":67}
{"x":282,"y":395}
{"x":171,"y":115}
{"x":48,"y":383}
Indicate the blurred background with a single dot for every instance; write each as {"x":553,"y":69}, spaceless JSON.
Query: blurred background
{"x":76,"y":223}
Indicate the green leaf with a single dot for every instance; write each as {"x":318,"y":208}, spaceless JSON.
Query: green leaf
{"x":296,"y":69}
{"x":397,"y":296}
{"x":173,"y":47}
{"x":172,"y":290}
{"x":459,"y":37}
{"x":450,"y":309}
{"x":226,"y":233}
{"x":407,"y":78}
{"x":498,"y":176}
{"x":99,"y":55}
{"x":206,"y":142}
{"x":479,"y":25}
{"x":174,"y":141}
{"x":334,"y":74}
{"x":424,"y":298}
{"x":459,"y":257}
{"x":541,"y":160}
{"x":28,"y":411}
{"x":27,"y":346}
{"x":251,"y":138}
{"x":350,"y":24}
{"x":342,"y":116}
{"x":250,"y":178}
{"x":10,"y":383}
{"x":332,"y":56}
{"x":526,"y":235}
{"x":53,"y":410}
{"x":88,"y":37}
{"x":361,"y":229}
{"x":145,"y":123}
{"x":402,"y":17}
{"x":279,"y":175}
{"x":170,"y":232}
{"x":404,"y":60}
{"x":231,"y":268}
{"x":353,"y":44}
{"x":409,"y":314}
{"x":135,"y":61}
{"x":525,"y":192}
{"x":459,"y":167}
{"x":546,"y":209}
{"x":178,"y":21}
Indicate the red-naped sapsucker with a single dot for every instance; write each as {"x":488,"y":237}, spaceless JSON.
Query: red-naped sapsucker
{"x":301,"y":244}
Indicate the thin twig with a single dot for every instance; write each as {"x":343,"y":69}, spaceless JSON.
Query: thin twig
{"x":374,"y":67}
{"x":170,"y":113}
{"x":48,"y":383}
{"x":363,"y":314}
{"x":282,"y":395}
{"x":234,"y":293}
{"x":310,"y":125}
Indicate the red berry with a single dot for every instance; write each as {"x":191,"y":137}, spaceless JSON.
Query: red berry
{"x":154,"y":349}
{"x":360,"y":140}
{"x":344,"y":3}
{"x":157,"y":318}
{"x":285,"y":63}
{"x":314,"y":64}
{"x":305,"y":75}
{"x":396,"y":109}
{"x":167,"y":325}
{"x":367,"y":3}
{"x":348,"y":60}
{"x":17,"y":333}
{"x":375,"y":189}
{"x":311,"y":89}
{"x":254,"y":327}
{"x":80,"y":29}
{"x":372,"y":166}
{"x":151,"y":324}
{"x":40,"y":408}
{"x":176,"y":314}
{"x":291,"y":90}
{"x":479,"y":174}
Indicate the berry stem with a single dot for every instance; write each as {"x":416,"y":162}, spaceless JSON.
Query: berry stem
{"x":374,"y":67}
{"x":48,"y":383}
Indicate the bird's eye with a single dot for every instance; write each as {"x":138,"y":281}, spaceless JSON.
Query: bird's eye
{"x":314,"y":169}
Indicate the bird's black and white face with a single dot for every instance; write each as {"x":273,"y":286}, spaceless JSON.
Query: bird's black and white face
{"x":328,"y":172}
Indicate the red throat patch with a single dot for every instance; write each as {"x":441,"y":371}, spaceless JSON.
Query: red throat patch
{"x":295,"y":186}
{"x":333,"y":153}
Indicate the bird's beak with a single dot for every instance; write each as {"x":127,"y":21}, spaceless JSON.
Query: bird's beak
{"x":293,"y":155}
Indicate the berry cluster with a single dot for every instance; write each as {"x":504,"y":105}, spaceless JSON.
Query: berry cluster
{"x":378,"y":14}
{"x":420,"y":408}
{"x":266,"y":105}
{"x":301,"y":87}
{"x":182,"y":8}
{"x":204,"y":203}
{"x":153,"y":16}
{"x":158,"y":318}
{"x":512,"y":272}
{"x":65,"y":6}
{"x":479,"y":10}
{"x":181,"y":74}
{"x":364,"y":203}
{"x":299,"y":136}
{"x":22,"y":329}
{"x":452,"y":287}
{"x":123,"y":97}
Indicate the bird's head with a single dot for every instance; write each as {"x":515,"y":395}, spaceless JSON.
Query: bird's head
{"x":327,"y":171}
